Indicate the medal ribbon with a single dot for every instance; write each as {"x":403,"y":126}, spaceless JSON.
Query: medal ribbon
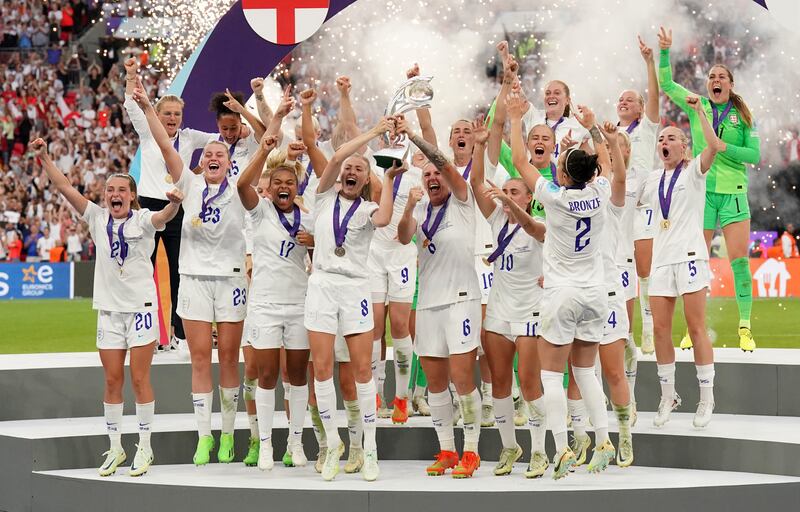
{"x":123,"y":247}
{"x":295,"y":226}
{"x":665,"y":201}
{"x":206,"y":202}
{"x":301,"y":190}
{"x":431,"y":230}
{"x":340,"y":228}
{"x":632,"y":127}
{"x":718,"y":118}
{"x":467,"y":170}
{"x":502,"y":242}
{"x":396,"y":185}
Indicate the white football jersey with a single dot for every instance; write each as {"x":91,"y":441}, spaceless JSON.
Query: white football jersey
{"x":643,"y":144}
{"x":484,"y":242}
{"x":357,"y":241}
{"x":535,"y":116}
{"x":515,"y":290}
{"x":154,"y":180}
{"x":279,"y":260}
{"x":212,"y":241}
{"x":683,"y":240}
{"x":243,"y":151}
{"x":575,"y":221}
{"x":612,"y":242}
{"x":634,"y":177}
{"x":447,"y":263}
{"x":387,"y":236}
{"x":130,"y":287}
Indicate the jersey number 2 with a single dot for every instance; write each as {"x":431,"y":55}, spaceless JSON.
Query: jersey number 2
{"x":583,"y":226}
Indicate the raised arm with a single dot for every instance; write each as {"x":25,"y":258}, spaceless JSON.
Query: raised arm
{"x":135,"y":114}
{"x":383,"y":215}
{"x":233,"y":104}
{"x":331,"y":172}
{"x":519,"y":152}
{"x":476,"y":177}
{"x":408,"y":224}
{"x":611,"y":133}
{"x":450,"y":174}
{"x":347,"y":115}
{"x":500,"y":110}
{"x":651,"y":107}
{"x":171,"y":156}
{"x":423,"y":114}
{"x":264,"y":112}
{"x":71,"y":194}
{"x":286,"y":106}
{"x":535,"y":229}
{"x":713,"y":143}
{"x":674,"y":91}
{"x":252,"y":172}
{"x":161,"y":217}
{"x":317,"y":157}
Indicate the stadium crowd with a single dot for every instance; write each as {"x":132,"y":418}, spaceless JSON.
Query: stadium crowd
{"x":51,"y":87}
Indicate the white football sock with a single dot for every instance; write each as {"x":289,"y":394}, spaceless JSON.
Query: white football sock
{"x":579,"y":414}
{"x":555,"y":401}
{"x":666,"y":376}
{"x":366,"y":403}
{"x":113,"y":416}
{"x":504,"y":416}
{"x":471,"y":414}
{"x":355,"y":424}
{"x":536,"y":424}
{"x":705,"y":377}
{"x":229,"y":400}
{"x":265,"y":410}
{"x":202,"y":412}
{"x":298,"y":401}
{"x":326,"y":402}
{"x":442,"y":415}
{"x":403,"y":348}
{"x":595,"y":401}
{"x":144,"y":415}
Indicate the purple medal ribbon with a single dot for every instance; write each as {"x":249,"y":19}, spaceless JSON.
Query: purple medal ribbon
{"x":303,"y":185}
{"x":295,"y":226}
{"x":554,"y":174}
{"x":502,"y":242}
{"x":426,"y":227}
{"x":666,"y":200}
{"x":554,"y":128}
{"x":123,"y":247}
{"x":232,"y":148}
{"x":467,"y":170}
{"x":340,"y":228}
{"x":632,"y":127}
{"x":718,"y":118}
{"x":396,"y":185}
{"x":207,"y":201}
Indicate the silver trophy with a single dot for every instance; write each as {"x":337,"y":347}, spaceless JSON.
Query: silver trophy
{"x":415,"y":93}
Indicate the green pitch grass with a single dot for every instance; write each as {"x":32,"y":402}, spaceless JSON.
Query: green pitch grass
{"x":69,"y":325}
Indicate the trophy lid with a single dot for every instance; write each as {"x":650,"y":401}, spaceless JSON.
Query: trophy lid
{"x":386,"y":157}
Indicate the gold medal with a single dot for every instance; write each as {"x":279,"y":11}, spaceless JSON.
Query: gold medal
{"x":665,"y":224}
{"x":426,"y":243}
{"x":486,"y":262}
{"x":168,"y":179}
{"x":196,"y":222}
{"x":339,"y":251}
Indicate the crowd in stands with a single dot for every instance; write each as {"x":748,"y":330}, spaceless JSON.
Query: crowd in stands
{"x":50,"y":86}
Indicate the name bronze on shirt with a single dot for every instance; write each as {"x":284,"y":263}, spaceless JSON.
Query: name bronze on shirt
{"x":584,"y":205}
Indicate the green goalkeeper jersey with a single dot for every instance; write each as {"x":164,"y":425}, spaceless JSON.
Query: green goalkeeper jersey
{"x":728,"y":174}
